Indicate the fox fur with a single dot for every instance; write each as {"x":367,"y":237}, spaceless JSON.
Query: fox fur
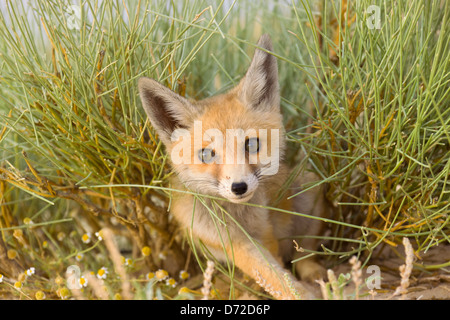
{"x":258,"y":240}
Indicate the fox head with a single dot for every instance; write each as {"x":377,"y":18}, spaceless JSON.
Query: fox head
{"x":227,"y":145}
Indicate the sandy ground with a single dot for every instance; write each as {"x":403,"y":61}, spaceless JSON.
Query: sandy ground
{"x":423,"y":284}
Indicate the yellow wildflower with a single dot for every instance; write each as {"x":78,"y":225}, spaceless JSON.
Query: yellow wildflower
{"x":27,"y":221}
{"x":40,"y":295}
{"x":146,"y":251}
{"x":18,"y":233}
{"x":83,"y":281}
{"x":128,"y":262}
{"x":12,"y":254}
{"x":63,"y":293}
{"x":102,"y":273}
{"x":161,"y":274}
{"x":59,"y":280}
{"x":184,"y":275}
{"x":171,"y":282}
{"x":86,"y":238}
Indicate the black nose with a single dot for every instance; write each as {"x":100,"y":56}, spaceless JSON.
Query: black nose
{"x":239,"y":188}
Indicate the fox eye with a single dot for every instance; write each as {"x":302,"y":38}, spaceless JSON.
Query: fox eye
{"x":206,"y":155}
{"x":252,"y":145}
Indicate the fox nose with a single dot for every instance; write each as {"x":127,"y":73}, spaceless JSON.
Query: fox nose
{"x":239,"y":188}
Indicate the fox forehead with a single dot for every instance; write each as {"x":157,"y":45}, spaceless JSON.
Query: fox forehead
{"x":228,"y":112}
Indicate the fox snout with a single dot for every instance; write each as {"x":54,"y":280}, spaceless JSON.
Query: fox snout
{"x":238,"y":186}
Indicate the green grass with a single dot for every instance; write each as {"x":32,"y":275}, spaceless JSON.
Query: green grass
{"x":368,"y":106}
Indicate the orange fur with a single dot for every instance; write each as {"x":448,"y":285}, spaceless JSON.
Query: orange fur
{"x":261,"y":240}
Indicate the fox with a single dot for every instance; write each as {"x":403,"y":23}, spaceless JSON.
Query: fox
{"x":259,"y":241}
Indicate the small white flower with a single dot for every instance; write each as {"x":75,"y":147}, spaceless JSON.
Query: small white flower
{"x":79,"y":257}
{"x":102,"y":272}
{"x":128,"y":262}
{"x":171,"y":282}
{"x":1,"y":278}
{"x":99,"y":236}
{"x":30,"y":271}
{"x":161,"y":275}
{"x":28,"y":221}
{"x":86,"y":238}
{"x":83,"y":281}
{"x":162,"y":255}
{"x":184,"y":275}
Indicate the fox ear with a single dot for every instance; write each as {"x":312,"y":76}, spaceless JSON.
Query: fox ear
{"x":259,"y":88}
{"x":166,"y":110}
